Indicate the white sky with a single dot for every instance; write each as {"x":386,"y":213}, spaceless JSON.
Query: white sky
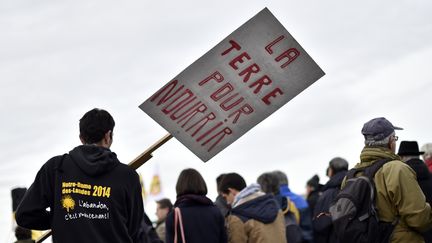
{"x":59,"y":59}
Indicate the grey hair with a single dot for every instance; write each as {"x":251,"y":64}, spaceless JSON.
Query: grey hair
{"x":405,"y":158}
{"x":427,"y":149}
{"x":370,"y":141}
{"x":269,"y":183}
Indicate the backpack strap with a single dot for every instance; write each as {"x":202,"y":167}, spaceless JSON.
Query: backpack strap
{"x":368,"y":171}
{"x":351,"y":173}
{"x":371,"y":170}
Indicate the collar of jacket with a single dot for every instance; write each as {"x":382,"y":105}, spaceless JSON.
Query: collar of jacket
{"x":335,"y":181}
{"x":192,"y":200}
{"x":371,"y":154}
{"x":247,"y":193}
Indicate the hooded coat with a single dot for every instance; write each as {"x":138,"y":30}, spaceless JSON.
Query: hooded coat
{"x":256,"y":219}
{"x":91,"y":197}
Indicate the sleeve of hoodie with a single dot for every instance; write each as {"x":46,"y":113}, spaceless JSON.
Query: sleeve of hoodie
{"x":136,"y":211}
{"x":407,"y":196}
{"x":32,"y":211}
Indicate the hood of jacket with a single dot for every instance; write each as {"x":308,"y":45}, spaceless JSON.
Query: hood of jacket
{"x":335,"y":181}
{"x":263,"y":208}
{"x":94,"y":160}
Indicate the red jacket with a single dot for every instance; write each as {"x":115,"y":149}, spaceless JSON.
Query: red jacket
{"x":429,"y":164}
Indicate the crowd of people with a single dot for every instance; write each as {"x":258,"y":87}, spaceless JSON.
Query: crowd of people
{"x":92,"y":197}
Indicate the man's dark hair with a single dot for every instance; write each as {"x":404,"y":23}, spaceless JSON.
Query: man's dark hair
{"x":165,"y":203}
{"x":232,"y":180}
{"x":269,"y":183}
{"x":94,"y":125}
{"x":22,"y":233}
{"x":190,"y":181}
{"x":219,"y":179}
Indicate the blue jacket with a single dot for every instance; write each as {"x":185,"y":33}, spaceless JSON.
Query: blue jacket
{"x":299,"y":201}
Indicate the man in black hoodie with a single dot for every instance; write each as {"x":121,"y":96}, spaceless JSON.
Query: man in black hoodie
{"x":89,"y":194}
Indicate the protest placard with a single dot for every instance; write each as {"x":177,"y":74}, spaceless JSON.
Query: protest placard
{"x":234,"y":86}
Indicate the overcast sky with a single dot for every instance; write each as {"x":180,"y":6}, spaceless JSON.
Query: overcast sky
{"x":59,"y":59}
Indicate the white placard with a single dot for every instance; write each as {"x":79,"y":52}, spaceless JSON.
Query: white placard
{"x":237,"y":84}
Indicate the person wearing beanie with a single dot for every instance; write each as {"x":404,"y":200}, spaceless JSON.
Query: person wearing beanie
{"x":410,"y":154}
{"x":313,"y":191}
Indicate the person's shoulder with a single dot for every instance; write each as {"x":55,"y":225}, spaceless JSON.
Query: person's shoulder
{"x":396,"y":165}
{"x":126,"y":169}
{"x":233,"y":219}
{"x":126,"y":172}
{"x":397,"y":168}
{"x":215,"y":210}
{"x":53,"y":162}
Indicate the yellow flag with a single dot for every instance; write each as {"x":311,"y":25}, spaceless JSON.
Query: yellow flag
{"x":155,"y":186}
{"x":143,"y":190}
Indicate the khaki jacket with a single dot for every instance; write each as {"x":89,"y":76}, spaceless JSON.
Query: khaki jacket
{"x":246,"y":229}
{"x":398,"y":195}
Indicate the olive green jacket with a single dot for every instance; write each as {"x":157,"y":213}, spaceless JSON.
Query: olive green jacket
{"x":398,"y":195}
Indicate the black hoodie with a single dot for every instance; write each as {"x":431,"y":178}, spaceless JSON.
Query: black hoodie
{"x":91,"y":197}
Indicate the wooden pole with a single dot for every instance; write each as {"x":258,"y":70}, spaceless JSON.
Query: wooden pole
{"x":135,"y":164}
{"x":146,"y":155}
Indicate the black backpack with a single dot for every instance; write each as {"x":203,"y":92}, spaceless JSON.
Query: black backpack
{"x":354,"y":214}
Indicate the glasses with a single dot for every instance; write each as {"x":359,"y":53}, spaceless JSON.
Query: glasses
{"x":396,"y":138}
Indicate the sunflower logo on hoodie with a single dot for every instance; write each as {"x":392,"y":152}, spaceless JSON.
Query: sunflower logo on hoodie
{"x":68,"y":202}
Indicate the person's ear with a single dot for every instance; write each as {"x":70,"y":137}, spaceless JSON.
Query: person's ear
{"x":392,"y":145}
{"x":108,"y":138}
{"x":81,"y":139}
{"x":233,"y":191}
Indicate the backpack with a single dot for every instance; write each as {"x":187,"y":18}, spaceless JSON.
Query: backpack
{"x":293,"y":231}
{"x":353,"y":212}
